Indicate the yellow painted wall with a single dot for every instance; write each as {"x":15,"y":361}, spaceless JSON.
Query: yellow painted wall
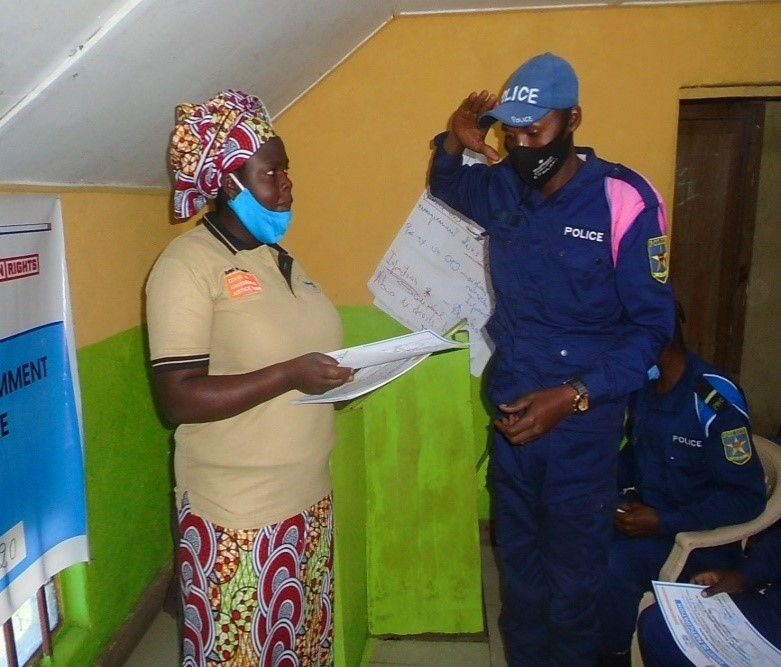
{"x":359,"y":147}
{"x":358,"y":141}
{"x":112,"y":238}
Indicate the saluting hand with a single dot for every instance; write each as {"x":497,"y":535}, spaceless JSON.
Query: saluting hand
{"x":534,"y":414}
{"x":464,"y":129}
{"x":316,"y":373}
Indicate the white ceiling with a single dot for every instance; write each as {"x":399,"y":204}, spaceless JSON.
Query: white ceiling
{"x":88,"y":87}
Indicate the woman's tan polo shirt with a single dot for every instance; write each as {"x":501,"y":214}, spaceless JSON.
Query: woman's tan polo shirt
{"x":210,"y":303}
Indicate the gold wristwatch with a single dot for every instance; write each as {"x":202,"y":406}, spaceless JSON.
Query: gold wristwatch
{"x":580,"y":402}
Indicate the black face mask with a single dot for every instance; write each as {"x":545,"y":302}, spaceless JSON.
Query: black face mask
{"x":536,"y":166}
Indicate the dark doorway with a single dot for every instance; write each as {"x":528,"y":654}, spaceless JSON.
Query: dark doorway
{"x":717,"y":173}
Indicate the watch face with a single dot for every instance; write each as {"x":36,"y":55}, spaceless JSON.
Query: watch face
{"x":582,"y":404}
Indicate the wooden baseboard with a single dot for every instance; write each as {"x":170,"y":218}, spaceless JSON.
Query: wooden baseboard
{"x":144,"y":612}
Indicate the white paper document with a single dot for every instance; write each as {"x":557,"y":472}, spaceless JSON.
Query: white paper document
{"x":712,"y":632}
{"x":435,"y":273}
{"x":381,"y":362}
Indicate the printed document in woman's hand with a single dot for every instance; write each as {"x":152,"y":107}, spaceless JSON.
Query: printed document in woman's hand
{"x":381,"y":362}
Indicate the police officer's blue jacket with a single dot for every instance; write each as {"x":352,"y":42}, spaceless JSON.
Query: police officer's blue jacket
{"x":694,"y":464}
{"x":579,"y":276}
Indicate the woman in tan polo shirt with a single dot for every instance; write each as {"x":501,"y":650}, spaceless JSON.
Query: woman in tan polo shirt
{"x":235,"y":326}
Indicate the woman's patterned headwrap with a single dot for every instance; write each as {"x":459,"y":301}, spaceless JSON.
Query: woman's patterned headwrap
{"x":211,"y":140}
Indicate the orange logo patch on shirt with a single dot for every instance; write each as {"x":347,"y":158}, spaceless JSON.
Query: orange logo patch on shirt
{"x":242,"y":283}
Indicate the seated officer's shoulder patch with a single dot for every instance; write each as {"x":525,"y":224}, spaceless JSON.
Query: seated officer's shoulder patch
{"x":657,"y":257}
{"x":737,"y":445}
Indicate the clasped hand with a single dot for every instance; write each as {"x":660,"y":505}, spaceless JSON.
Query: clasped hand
{"x":636,"y":519}
{"x":534,"y":414}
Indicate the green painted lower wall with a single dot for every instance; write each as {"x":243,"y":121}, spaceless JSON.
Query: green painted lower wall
{"x":128,"y":478}
{"x":422,"y":549}
{"x":482,"y":434}
{"x":406,"y":499}
{"x":348,"y":468}
{"x":363,"y":324}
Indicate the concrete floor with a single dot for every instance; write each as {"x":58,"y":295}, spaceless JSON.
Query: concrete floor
{"x":159,"y":647}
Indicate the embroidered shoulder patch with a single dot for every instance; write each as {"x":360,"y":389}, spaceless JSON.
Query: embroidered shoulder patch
{"x":241,"y":283}
{"x":657,"y":257}
{"x":737,"y":447}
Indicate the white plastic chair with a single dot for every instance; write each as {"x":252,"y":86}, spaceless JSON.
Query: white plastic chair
{"x":770,"y":455}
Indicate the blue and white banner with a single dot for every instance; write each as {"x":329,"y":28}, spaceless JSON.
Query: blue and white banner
{"x":43,"y":523}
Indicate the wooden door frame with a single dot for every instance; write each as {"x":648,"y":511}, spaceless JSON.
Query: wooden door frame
{"x":735,"y":266}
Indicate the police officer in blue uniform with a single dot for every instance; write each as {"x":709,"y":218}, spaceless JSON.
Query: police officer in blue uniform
{"x":755,"y":587}
{"x":689,"y":465}
{"x":583,"y":308}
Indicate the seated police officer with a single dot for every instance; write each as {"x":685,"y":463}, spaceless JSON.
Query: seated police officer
{"x":755,"y":588}
{"x":689,"y":464}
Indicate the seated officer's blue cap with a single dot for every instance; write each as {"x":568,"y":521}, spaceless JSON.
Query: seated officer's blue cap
{"x":542,"y":83}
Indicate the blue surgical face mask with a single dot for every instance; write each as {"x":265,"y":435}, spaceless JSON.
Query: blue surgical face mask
{"x":265,"y":225}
